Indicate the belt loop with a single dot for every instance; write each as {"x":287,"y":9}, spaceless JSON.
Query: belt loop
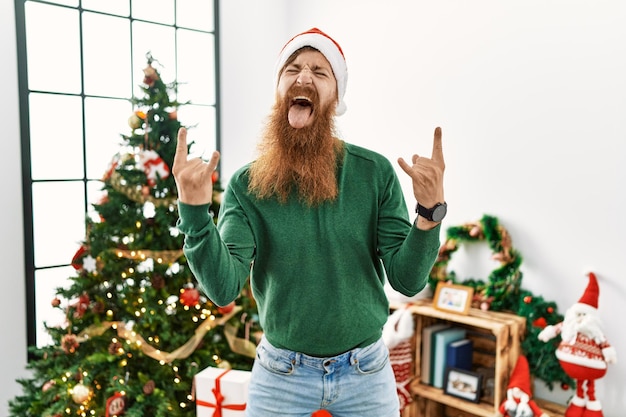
{"x":296,"y":358}
{"x":353,"y":356}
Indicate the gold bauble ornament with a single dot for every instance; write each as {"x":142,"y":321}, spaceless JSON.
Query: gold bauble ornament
{"x":81,"y":393}
{"x":135,"y":122}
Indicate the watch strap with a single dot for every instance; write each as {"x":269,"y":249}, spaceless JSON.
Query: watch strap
{"x":428,"y":213}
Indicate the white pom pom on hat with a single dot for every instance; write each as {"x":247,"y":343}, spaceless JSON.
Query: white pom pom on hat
{"x":331,"y":50}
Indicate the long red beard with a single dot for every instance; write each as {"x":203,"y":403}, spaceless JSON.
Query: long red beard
{"x":303,"y":160}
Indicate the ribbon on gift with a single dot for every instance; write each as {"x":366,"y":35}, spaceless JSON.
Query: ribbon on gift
{"x":219,"y":399}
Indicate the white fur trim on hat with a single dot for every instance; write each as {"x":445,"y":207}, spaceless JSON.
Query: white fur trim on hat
{"x":584,"y":309}
{"x":331,"y":50}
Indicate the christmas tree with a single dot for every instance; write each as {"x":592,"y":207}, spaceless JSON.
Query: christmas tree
{"x":137,"y":328}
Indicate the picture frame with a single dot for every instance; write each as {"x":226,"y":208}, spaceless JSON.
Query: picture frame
{"x":463,"y":384}
{"x":452,"y":297}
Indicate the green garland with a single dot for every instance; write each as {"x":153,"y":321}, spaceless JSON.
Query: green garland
{"x":502,"y":291}
{"x":502,"y":283}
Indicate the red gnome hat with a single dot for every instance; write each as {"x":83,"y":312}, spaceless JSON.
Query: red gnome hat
{"x":520,"y":377}
{"x":588,"y":302}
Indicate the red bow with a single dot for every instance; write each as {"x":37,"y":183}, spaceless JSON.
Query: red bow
{"x":219,"y":400}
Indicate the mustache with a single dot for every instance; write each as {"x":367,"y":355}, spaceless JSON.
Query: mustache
{"x":302,"y":91}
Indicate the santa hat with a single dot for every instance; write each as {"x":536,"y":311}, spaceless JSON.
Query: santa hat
{"x":589,"y":300}
{"x":331,"y":50}
{"x":520,"y":377}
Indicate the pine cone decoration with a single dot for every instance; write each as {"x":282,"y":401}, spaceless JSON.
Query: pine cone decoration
{"x":148,"y":388}
{"x":98,"y":307}
{"x":115,"y":348}
{"x":69,"y":343}
{"x":157,"y":282}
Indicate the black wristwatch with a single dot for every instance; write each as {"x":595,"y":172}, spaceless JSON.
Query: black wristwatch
{"x":434,"y":214}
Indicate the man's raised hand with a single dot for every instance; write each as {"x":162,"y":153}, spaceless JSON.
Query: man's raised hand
{"x":427,"y":174}
{"x":193,"y":176}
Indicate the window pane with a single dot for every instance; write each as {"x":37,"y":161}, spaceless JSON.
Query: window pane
{"x":53,"y":48}
{"x":160,"y":42}
{"x":195,"y":14}
{"x":161,"y":11}
{"x":46,"y":283}
{"x":196,"y":67}
{"x":203,"y":135}
{"x":106,"y":55}
{"x":105,"y":121}
{"x":58,"y":221}
{"x":72,"y":3}
{"x":56,"y":132}
{"x":118,"y":7}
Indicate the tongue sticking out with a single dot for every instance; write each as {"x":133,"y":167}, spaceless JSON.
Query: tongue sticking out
{"x":299,"y":115}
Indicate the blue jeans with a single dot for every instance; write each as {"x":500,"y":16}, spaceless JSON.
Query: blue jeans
{"x":358,"y":383}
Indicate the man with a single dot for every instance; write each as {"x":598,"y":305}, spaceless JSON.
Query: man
{"x":317,"y":224}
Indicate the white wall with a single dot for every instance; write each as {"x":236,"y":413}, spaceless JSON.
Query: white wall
{"x":531,"y":96}
{"x":12,"y":289}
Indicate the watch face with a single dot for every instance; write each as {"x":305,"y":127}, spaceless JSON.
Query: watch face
{"x":439,"y":212}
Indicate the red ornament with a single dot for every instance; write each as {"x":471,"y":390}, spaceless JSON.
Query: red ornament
{"x":81,"y":305}
{"x":116,"y":405}
{"x":154,"y":166}
{"x":189,"y":297}
{"x":565,"y":386}
{"x":550,"y":310}
{"x":528,"y":299}
{"x":226,"y":309}
{"x":540,"y":322}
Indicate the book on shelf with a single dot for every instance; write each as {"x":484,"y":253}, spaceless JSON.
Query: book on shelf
{"x":439,"y":352}
{"x":427,"y":342}
{"x":459,"y":354}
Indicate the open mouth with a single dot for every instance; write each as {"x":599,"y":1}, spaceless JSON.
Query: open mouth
{"x":300,"y":112}
{"x":302,"y":101}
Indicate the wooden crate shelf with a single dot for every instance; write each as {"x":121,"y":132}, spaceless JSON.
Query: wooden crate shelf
{"x":430,"y":401}
{"x":506,"y":332}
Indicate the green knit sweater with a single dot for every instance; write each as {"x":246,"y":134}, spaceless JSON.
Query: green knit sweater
{"x":317,"y":273}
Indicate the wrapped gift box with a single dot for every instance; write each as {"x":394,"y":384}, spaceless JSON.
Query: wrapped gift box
{"x":221,"y":390}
